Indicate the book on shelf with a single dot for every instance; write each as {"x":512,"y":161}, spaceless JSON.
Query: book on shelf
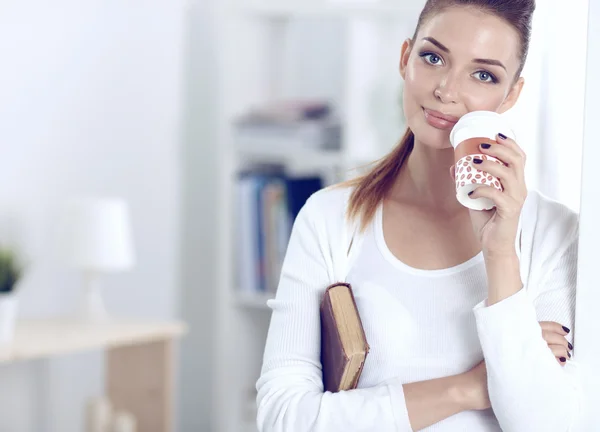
{"x":290,"y":110}
{"x":267,"y":205}
{"x":291,"y":126}
{"x":344,"y":346}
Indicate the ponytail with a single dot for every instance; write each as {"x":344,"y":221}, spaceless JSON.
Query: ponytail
{"x":370,"y":189}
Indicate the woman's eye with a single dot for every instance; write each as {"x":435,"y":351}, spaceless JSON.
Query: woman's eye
{"x":431,"y":58}
{"x":485,"y":76}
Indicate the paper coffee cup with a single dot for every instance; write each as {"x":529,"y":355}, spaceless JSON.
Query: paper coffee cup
{"x":470,"y":131}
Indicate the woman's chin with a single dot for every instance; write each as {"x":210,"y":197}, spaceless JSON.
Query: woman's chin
{"x":432,"y":137}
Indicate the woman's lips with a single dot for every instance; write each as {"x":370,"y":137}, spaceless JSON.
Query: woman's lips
{"x":439,"y":120}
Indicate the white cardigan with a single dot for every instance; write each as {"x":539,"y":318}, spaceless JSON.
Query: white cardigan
{"x":529,"y":390}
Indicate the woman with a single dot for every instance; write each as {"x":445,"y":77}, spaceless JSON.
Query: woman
{"x":451,"y":299}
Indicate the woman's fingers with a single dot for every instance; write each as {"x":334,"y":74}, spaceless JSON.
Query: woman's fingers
{"x":512,"y":145}
{"x":506,"y":206}
{"x":506,"y":175}
{"x":494,"y":167}
{"x":555,"y":336}
{"x":552,"y":338}
{"x":561,"y":353}
{"x":507,"y":154}
{"x":509,"y":166}
{"x":555,"y":327}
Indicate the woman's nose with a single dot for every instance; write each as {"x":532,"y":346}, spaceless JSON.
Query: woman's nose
{"x":447,"y":91}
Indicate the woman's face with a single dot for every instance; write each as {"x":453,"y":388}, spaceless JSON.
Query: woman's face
{"x":462,"y":60}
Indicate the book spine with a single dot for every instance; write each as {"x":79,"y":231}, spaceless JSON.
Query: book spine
{"x":247,"y":251}
{"x":261,"y":263}
{"x":267,"y":205}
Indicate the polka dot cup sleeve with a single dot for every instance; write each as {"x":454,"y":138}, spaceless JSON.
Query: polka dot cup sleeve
{"x":468,"y":134}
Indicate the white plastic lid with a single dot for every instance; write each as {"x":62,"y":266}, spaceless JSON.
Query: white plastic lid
{"x":480,"y":124}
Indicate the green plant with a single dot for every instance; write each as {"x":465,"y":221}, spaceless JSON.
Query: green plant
{"x":10,"y":271}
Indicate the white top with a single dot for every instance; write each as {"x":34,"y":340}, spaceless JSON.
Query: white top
{"x":421,"y":325}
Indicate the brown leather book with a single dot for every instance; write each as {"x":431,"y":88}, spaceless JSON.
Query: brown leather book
{"x":344,"y":346}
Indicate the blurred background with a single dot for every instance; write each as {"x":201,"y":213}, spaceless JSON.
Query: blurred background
{"x":194,"y":131}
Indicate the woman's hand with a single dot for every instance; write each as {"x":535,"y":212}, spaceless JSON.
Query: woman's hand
{"x":474,"y":390}
{"x":497,"y":228}
{"x":554,"y":335}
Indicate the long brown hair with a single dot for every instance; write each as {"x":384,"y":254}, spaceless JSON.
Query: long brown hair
{"x":370,"y":189}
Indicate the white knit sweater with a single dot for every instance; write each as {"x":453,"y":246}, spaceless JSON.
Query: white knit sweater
{"x":529,"y":390}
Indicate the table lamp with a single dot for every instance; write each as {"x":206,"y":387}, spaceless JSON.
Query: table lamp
{"x":98,"y":241}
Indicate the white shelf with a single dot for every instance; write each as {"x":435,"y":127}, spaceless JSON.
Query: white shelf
{"x":41,"y":338}
{"x":298,"y":157}
{"x":254,"y":301}
{"x":341,"y":9}
{"x":303,"y":158}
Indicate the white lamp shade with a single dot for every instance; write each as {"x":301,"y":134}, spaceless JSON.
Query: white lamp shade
{"x":98,"y":235}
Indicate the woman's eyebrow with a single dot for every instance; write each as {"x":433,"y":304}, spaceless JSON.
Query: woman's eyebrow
{"x":489,"y":62}
{"x":437,"y":44}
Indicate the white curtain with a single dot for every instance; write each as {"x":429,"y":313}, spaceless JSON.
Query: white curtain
{"x":549,"y":116}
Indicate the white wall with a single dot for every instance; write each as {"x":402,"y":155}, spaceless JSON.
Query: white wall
{"x":90,"y":103}
{"x":562,"y":97}
{"x":200,"y":200}
{"x":587,"y":347}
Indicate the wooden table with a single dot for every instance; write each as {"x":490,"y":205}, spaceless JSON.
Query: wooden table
{"x":140,"y":360}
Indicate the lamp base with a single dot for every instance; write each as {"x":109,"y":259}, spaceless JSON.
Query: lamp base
{"x":92,"y":308}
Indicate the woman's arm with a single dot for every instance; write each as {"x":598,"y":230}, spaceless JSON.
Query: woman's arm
{"x":428,"y":402}
{"x":290,"y":389}
{"x":292,"y":399}
{"x":528,"y":389}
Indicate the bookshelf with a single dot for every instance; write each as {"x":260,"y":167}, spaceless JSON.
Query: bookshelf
{"x":301,"y":158}
{"x":267,"y":52}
